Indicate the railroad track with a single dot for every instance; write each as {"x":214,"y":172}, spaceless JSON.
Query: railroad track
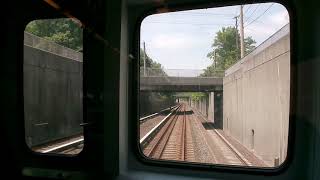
{"x":173,"y":139}
{"x":146,"y":118}
{"x":147,"y":123}
{"x":66,"y":146}
{"x":75,"y":149}
{"x":225,"y":153}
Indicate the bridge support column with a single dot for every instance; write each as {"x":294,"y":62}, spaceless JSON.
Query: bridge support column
{"x":218,"y":109}
{"x":192,"y":103}
{"x":211,"y":108}
{"x":203,"y":106}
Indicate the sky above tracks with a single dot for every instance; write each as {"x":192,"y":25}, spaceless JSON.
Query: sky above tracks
{"x":182,"y":40}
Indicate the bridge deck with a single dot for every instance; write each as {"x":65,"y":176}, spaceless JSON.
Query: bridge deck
{"x":180,"y":84}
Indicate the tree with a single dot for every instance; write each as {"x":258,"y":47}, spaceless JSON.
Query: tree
{"x":152,"y":67}
{"x":61,"y":31}
{"x":150,"y":63}
{"x":224,"y":50}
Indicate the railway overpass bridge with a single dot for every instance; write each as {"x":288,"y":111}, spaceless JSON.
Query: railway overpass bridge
{"x":187,"y":80}
{"x":179,"y":80}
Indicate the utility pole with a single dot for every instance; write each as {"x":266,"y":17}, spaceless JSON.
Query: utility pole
{"x":144,"y":59}
{"x":214,"y":55}
{"x":241,"y":32}
{"x":237,"y":38}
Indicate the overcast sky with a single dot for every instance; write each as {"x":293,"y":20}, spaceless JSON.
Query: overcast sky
{"x":182,"y":40}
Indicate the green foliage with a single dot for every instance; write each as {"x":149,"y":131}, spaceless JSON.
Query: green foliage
{"x":224,"y":50}
{"x":212,"y":71}
{"x":196,"y":96}
{"x":61,"y":31}
{"x":167,"y":95}
{"x":155,"y":69}
{"x":150,"y":63}
{"x":249,"y":45}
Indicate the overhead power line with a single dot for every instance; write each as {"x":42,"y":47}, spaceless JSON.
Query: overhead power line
{"x":201,"y":13}
{"x":186,"y":23}
{"x":198,"y":15}
{"x":259,"y":16}
{"x":249,"y":17}
{"x":247,"y":9}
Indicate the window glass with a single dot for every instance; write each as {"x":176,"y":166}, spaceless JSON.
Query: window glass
{"x":52,"y":82}
{"x":215,"y":85}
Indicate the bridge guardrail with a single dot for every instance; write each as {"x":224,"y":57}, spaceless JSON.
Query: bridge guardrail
{"x":160,"y":72}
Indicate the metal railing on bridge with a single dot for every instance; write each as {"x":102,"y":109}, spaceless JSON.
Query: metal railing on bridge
{"x":182,"y":80}
{"x":160,"y":72}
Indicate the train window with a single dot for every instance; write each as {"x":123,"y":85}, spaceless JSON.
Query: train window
{"x":52,"y":86}
{"x":215,"y":86}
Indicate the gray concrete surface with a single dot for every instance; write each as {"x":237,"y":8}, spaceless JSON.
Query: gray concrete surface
{"x":211,"y":107}
{"x":48,"y":46}
{"x":180,"y":84}
{"x":52,"y":95}
{"x":152,"y":102}
{"x":256,"y":98}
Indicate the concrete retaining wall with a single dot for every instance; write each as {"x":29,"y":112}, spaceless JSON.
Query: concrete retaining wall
{"x":202,"y":105}
{"x":52,"y":96}
{"x":256,"y":98}
{"x":211,"y":107}
{"x":152,"y":102}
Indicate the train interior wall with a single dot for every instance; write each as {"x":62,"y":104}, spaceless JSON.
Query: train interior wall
{"x":300,"y":152}
{"x":110,"y":150}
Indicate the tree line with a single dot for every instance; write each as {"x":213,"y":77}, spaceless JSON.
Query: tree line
{"x":224,"y":53}
{"x":226,"y":50}
{"x":62,"y":31}
{"x":225,"y":47}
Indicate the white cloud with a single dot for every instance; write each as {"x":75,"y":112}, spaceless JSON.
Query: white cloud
{"x":280,"y":18}
{"x":174,"y":41}
{"x":179,"y":45}
{"x":261,"y":30}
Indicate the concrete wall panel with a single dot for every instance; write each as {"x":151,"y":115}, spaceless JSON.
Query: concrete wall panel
{"x":52,"y":96}
{"x":152,"y":102}
{"x":256,"y":99}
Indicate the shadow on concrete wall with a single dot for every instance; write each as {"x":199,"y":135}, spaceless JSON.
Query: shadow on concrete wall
{"x":218,"y":110}
{"x":152,"y":102}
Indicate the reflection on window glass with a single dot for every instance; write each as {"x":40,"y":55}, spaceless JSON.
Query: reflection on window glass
{"x":214,"y":85}
{"x":52,"y":71}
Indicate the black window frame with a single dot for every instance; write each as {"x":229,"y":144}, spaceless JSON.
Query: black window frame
{"x":26,"y":146}
{"x":135,"y":86}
